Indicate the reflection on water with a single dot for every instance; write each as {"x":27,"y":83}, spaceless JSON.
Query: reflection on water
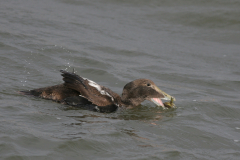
{"x":141,"y":112}
{"x":146,"y":113}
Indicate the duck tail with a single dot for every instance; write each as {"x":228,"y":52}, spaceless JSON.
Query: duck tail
{"x":24,"y":92}
{"x":30,"y":93}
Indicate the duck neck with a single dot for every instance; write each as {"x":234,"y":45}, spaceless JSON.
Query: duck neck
{"x":130,"y":102}
{"x":126,"y":103}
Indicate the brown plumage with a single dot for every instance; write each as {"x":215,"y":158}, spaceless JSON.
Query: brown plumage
{"x":84,"y":93}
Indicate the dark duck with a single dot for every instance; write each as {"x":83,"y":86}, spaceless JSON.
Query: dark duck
{"x":84,"y":93}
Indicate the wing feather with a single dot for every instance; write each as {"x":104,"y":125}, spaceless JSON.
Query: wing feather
{"x":88,"y":89}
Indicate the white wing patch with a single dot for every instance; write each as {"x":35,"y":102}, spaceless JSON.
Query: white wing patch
{"x":94,"y":84}
{"x":99,"y":88}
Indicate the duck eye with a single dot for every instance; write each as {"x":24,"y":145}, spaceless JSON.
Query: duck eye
{"x":148,"y":84}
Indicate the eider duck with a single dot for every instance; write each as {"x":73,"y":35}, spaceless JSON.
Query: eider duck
{"x":84,"y":93}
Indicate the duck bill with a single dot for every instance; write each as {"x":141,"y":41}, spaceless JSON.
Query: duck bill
{"x":165,"y":96}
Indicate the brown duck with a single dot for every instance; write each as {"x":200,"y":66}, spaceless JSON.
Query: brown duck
{"x":84,"y":93}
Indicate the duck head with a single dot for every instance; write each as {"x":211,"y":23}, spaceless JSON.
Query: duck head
{"x":137,"y":91}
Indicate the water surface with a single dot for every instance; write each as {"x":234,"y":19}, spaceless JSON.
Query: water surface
{"x":189,"y":49}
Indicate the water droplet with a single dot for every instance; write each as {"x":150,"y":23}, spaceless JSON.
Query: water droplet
{"x":58,"y":118}
{"x":194,"y":100}
{"x":235,"y":140}
{"x":237,"y":127}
